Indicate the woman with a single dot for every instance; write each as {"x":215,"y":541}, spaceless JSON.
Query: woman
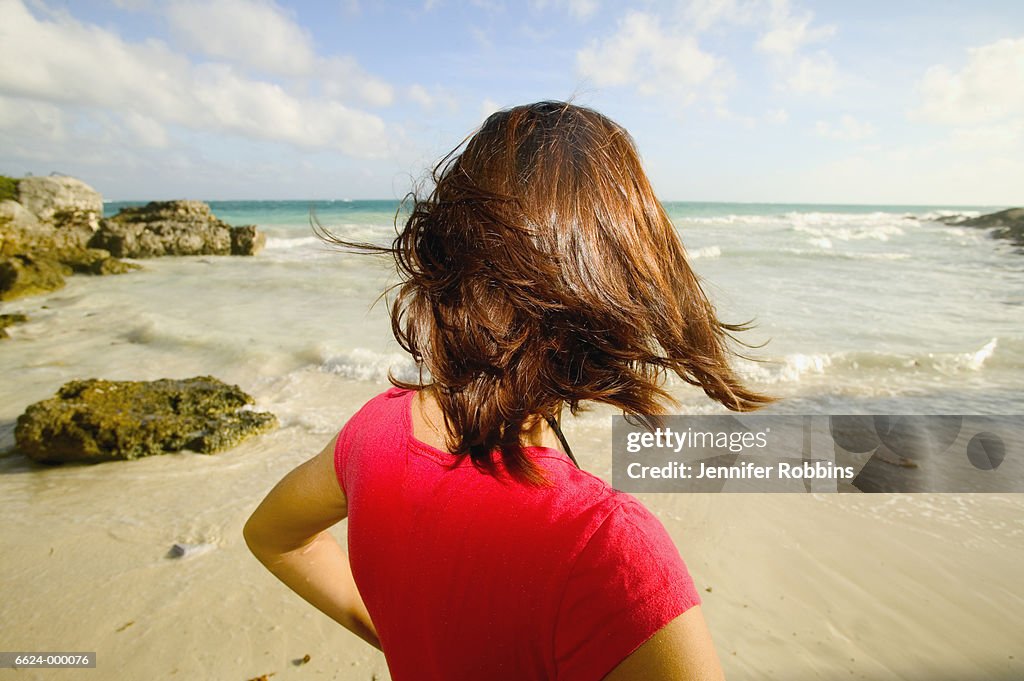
{"x":540,"y":273}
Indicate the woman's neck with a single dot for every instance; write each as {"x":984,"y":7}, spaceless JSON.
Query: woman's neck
{"x":428,"y":425}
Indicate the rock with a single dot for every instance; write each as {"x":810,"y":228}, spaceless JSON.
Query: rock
{"x":94,"y":261}
{"x":51,"y":198}
{"x":1011,"y":217}
{"x":10,"y":320}
{"x":97,"y":420}
{"x":247,"y":240}
{"x":25,"y":275}
{"x":164,"y":228}
{"x":19,"y":224}
{"x":1005,"y":224}
{"x":183,"y":550}
{"x":38,"y":251}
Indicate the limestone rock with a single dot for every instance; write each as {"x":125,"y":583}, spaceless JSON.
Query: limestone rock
{"x":20,"y":221}
{"x":96,"y":420}
{"x":50,"y":198}
{"x":247,"y":240}
{"x":43,"y":235}
{"x":164,"y":228}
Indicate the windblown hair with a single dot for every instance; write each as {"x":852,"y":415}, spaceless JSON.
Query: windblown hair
{"x":542,"y":271}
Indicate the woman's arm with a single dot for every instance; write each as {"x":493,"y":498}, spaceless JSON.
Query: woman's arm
{"x":288,"y":534}
{"x":680,"y":651}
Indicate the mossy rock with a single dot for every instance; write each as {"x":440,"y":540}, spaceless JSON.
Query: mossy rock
{"x":93,"y":261}
{"x":26,"y":275}
{"x":8,"y":188}
{"x":95,"y":420}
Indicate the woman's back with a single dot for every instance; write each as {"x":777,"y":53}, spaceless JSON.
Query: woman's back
{"x":539,"y":274}
{"x":470,"y":575}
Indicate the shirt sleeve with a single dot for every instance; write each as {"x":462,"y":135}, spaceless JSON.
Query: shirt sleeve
{"x":627,"y":583}
{"x":341,"y":447}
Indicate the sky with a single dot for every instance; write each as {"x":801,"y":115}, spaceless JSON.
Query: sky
{"x":905,"y":102}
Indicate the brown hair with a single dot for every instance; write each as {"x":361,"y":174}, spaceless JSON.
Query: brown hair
{"x":541,"y":270}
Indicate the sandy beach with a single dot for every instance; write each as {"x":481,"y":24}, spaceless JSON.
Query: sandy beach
{"x":903,"y":587}
{"x":796,"y":587}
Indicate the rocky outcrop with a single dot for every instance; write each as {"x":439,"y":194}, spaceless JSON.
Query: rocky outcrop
{"x":246,"y":240}
{"x":51,"y":227}
{"x":10,"y":320}
{"x":55,"y":198}
{"x":1005,"y":224}
{"x":45,"y":232}
{"x":173,"y":228}
{"x":96,"y":420}
{"x":25,"y":274}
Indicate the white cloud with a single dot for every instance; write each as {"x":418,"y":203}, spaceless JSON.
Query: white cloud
{"x":254,"y":33}
{"x":989,"y":88}
{"x":788,"y":32}
{"x":342,"y":77}
{"x":261,"y":36}
{"x":703,"y":14}
{"x":74,"y":65}
{"x":848,"y":129}
{"x":655,"y":60}
{"x":28,"y":120}
{"x":815,"y":74}
{"x":929,"y":173}
{"x":487,"y":107}
{"x":148,"y":132}
{"x":579,"y":9}
{"x":994,"y":136}
{"x":435,"y":99}
{"x":419,"y":94}
{"x":778,"y":116}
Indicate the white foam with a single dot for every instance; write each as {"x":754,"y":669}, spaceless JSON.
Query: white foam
{"x":708,"y":252}
{"x":291,"y":243}
{"x":934,"y":215}
{"x":368,"y":365}
{"x":975,"y":361}
{"x":877,"y":232}
{"x":792,"y":369}
{"x":824,"y":251}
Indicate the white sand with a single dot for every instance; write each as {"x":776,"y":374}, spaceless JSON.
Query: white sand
{"x":801,"y":587}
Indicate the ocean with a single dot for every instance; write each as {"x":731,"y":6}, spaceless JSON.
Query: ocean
{"x":857,"y":310}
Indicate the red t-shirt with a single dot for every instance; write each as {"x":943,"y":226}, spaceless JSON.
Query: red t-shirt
{"x":473,"y":576}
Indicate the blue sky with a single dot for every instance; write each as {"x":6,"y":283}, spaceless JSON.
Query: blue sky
{"x":729,"y":100}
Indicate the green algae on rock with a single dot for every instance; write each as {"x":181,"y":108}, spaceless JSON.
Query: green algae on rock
{"x":96,"y":420}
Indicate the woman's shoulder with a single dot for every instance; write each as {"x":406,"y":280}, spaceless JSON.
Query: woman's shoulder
{"x":391,"y":400}
{"x":386,"y":412}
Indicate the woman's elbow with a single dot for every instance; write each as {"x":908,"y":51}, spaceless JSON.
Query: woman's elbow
{"x":255,"y":538}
